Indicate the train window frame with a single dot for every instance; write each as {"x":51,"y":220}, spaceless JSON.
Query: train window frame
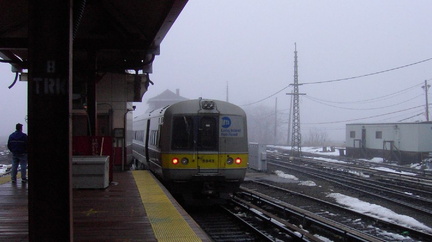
{"x":182,"y":133}
{"x":208,"y":136}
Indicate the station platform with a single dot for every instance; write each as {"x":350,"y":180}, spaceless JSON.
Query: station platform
{"x":134,"y":207}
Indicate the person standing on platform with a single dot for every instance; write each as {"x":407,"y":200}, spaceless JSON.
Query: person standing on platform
{"x":17,"y":144}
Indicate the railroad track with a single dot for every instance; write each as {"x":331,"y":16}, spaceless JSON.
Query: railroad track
{"x":220,"y":225}
{"x":301,"y":225}
{"x":230,"y":222}
{"x":340,"y":223}
{"x":417,"y":175}
{"x":403,"y":176}
{"x":251,"y":217}
{"x":401,"y":198}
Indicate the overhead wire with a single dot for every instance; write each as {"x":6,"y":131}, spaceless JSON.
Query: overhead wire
{"x":374,"y":99}
{"x":373,"y":116}
{"x":410,"y":117}
{"x":346,"y":108}
{"x":369,"y":74}
{"x":343,"y":79}
{"x":402,"y":115}
{"x":266,"y":97}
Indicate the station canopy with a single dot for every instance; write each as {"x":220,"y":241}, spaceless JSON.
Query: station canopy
{"x":108,"y":35}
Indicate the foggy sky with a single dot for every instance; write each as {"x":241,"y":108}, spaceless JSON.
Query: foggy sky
{"x":13,"y":108}
{"x":249,"y":46}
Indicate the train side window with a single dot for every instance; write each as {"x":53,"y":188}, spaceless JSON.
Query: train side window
{"x":182,"y":133}
{"x":139,"y":135}
{"x":158,"y":136}
{"x":154,"y":138}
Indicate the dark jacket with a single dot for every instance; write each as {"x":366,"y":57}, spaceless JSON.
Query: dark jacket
{"x":17,"y":143}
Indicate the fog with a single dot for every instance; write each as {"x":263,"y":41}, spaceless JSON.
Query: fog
{"x":13,"y":108}
{"x":358,"y":61}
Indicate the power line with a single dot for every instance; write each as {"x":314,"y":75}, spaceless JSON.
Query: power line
{"x":374,"y":99}
{"x":266,"y":97}
{"x":369,"y":74}
{"x":410,"y":117}
{"x":343,"y":79}
{"x":398,"y":116}
{"x":374,"y":116}
{"x":346,"y":108}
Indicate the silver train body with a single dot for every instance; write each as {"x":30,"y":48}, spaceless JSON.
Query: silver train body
{"x":196,"y":146}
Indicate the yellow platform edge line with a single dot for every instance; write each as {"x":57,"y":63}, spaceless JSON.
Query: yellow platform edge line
{"x":7,"y":178}
{"x":167,"y":223}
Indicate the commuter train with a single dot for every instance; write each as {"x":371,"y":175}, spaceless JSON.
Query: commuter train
{"x":197,"y":147}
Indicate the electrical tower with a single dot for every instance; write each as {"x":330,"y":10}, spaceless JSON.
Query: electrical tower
{"x":296,"y":134}
{"x":426,"y":88}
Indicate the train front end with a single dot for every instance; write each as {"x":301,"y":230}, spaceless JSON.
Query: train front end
{"x":208,"y":148}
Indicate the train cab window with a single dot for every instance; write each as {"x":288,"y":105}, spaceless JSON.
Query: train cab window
{"x":182,"y":133}
{"x":208,"y":134}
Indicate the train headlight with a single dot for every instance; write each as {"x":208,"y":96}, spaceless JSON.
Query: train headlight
{"x":175,"y":161}
{"x":238,"y":160}
{"x":230,"y":160}
{"x":184,"y":161}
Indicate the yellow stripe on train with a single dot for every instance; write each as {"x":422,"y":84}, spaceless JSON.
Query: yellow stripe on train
{"x":204,"y":161}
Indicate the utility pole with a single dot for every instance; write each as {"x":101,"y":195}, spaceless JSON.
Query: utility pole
{"x":275,"y":124}
{"x":426,"y":88}
{"x":227,"y":92}
{"x":296,"y":134}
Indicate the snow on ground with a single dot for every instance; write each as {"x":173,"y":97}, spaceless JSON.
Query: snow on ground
{"x":373,"y":210}
{"x":286,"y":176}
{"x":294,"y":178}
{"x":308,"y":183}
{"x":375,"y":160}
{"x":378,"y":211}
{"x":310,"y":150}
{"x":393,"y":171}
{"x":327,"y":159}
{"x":356,"y":204}
{"x":4,"y":168}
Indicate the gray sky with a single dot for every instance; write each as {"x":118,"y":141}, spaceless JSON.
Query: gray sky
{"x":13,"y":108}
{"x":249,"y":45}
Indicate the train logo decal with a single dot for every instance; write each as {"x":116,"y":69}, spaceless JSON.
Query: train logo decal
{"x":231,"y":126}
{"x":226,"y":122}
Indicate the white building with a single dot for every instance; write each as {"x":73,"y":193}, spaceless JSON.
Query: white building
{"x":402,"y":142}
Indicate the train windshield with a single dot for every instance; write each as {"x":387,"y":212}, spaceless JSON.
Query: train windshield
{"x":203,"y":129}
{"x":182,"y":134}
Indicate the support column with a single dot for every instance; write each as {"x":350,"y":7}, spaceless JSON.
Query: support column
{"x":91,"y":94}
{"x":49,"y":122}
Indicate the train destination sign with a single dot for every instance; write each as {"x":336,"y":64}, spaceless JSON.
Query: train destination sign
{"x":231,"y":126}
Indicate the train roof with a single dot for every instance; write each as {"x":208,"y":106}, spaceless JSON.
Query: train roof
{"x":196,"y":106}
